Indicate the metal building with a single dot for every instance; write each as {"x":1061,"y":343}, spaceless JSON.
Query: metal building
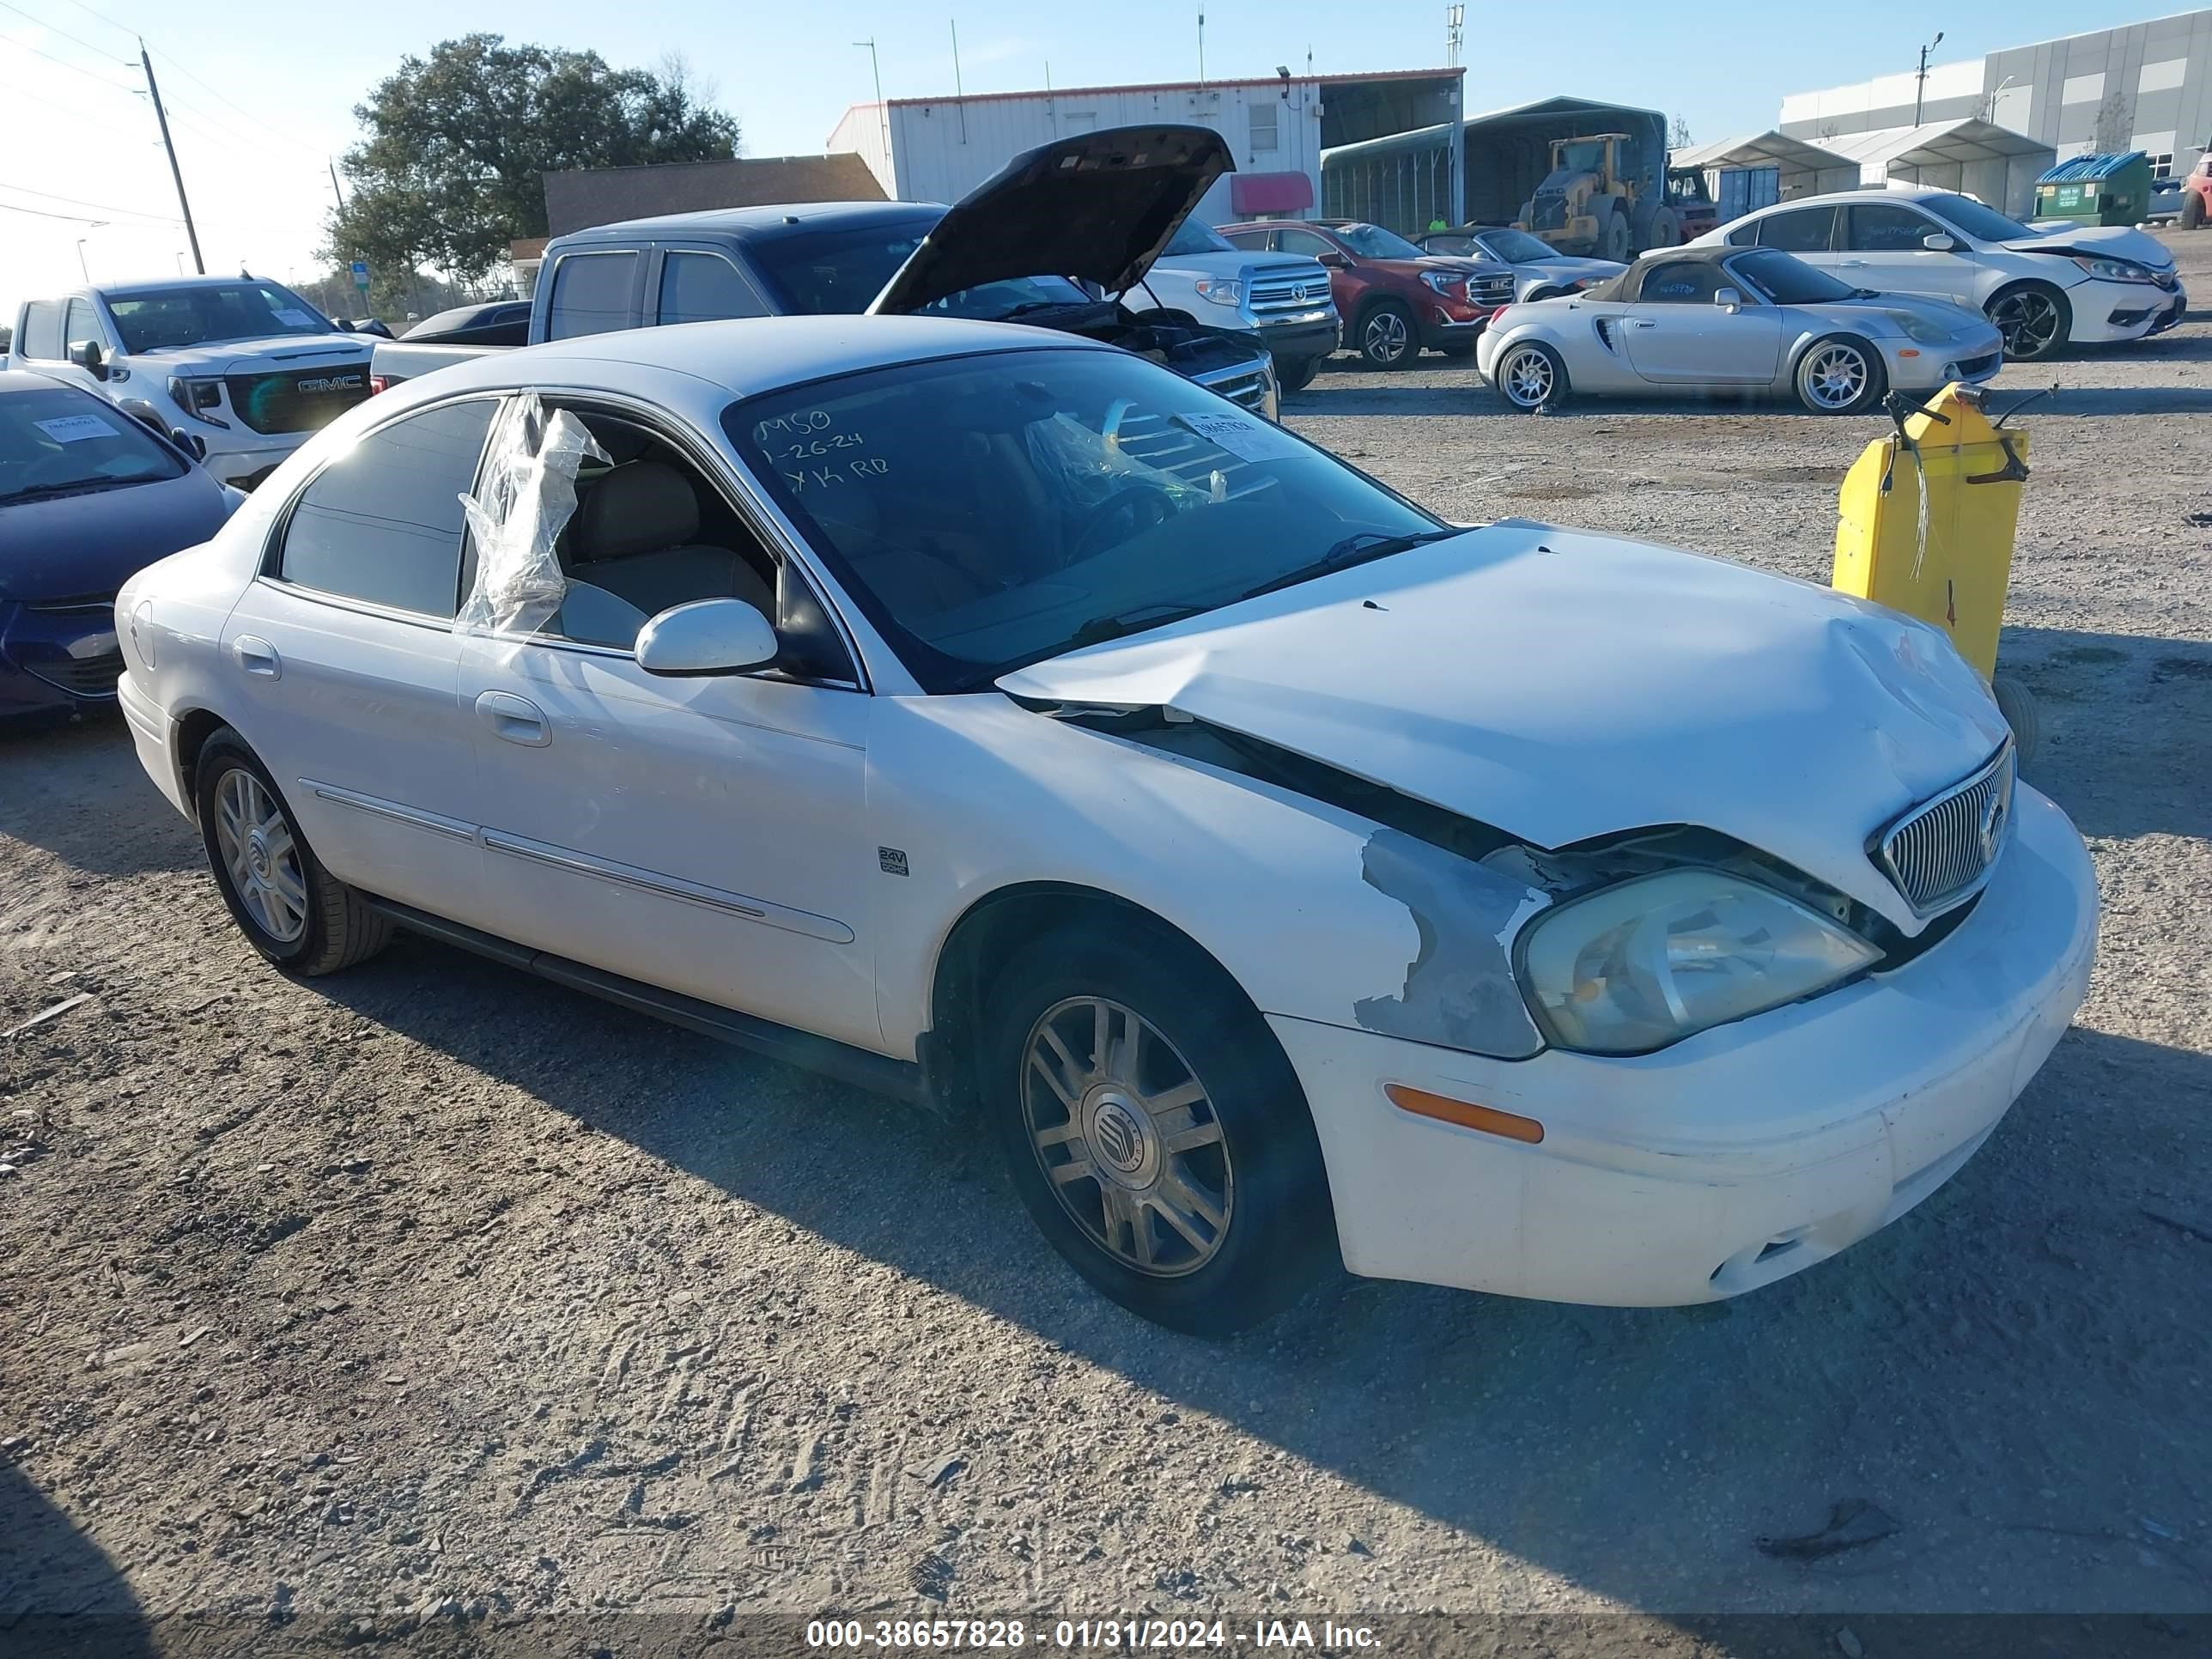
{"x":937,"y":149}
{"x":2144,"y":85}
{"x":1744,"y":174}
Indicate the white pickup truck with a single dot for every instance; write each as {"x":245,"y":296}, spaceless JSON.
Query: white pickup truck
{"x":240,"y":363}
{"x":1284,"y":298}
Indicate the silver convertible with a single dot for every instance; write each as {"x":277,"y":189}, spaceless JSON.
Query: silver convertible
{"x":1749,"y":319}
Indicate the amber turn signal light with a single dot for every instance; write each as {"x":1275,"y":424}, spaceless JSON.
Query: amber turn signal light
{"x":1466,"y":1114}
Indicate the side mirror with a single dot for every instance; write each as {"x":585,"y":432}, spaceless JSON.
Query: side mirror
{"x":707,"y":636}
{"x":1728,"y":299}
{"x":1936,"y":242}
{"x":145,"y":414}
{"x":191,"y":443}
{"x":1332,"y":258}
{"x":87,"y":356}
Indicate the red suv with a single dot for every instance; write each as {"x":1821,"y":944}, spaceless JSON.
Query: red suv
{"x":1393,"y":299}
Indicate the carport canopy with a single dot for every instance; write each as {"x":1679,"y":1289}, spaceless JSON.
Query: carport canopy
{"x":1936,"y":144}
{"x":1760,"y":150}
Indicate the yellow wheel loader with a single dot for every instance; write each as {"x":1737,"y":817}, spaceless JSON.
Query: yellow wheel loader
{"x":1598,"y":201}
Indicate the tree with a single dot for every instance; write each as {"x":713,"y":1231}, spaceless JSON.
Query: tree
{"x":1677,"y":133}
{"x":2116,"y":120}
{"x":452,"y":170}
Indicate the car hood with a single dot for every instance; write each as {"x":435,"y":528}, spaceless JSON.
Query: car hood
{"x":1576,"y":270}
{"x":280,"y":352}
{"x":1905,"y":307}
{"x":2106,"y":242}
{"x":73,"y":546}
{"x":1096,"y":206}
{"x":1560,"y":686}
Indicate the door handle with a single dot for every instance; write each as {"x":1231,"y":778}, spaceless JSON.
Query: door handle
{"x":257,"y":657}
{"x":515,"y":718}
{"x":1642,"y":322}
{"x":1851,"y":264}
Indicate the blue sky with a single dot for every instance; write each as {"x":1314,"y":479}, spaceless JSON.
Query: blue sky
{"x":261,"y":91}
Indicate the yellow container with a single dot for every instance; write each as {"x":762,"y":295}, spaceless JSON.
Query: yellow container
{"x":1927,"y":522}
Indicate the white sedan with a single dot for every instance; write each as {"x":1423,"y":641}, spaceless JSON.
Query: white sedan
{"x":1750,"y":320}
{"x":2045,"y":289}
{"x":1000,"y":721}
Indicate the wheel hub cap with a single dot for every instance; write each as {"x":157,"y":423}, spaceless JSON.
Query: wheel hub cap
{"x":1126,"y":1133}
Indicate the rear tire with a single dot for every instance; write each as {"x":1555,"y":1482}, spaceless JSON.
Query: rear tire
{"x":1388,"y":335}
{"x":1207,"y":1214}
{"x":291,"y":909}
{"x":2017,"y":704}
{"x":1530,"y":377}
{"x":1838,"y":374}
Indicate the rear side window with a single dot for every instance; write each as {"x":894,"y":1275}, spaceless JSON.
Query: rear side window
{"x":591,"y":295}
{"x":42,"y":332}
{"x":1252,"y":241}
{"x":383,"y":522}
{"x":1801,"y":230}
{"x":703,"y":288}
{"x":1884,"y":227}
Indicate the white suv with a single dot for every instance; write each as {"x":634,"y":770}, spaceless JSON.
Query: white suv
{"x":2086,"y":285}
{"x":241,"y":364}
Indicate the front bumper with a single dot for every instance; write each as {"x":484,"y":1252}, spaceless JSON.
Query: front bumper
{"x":1971,"y":363}
{"x":2110,"y":314}
{"x":1301,"y":338}
{"x":58,"y":660}
{"x":1446,"y":327}
{"x":1736,"y":1157}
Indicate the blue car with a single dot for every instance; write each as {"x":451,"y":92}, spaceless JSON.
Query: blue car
{"x":89,"y":496}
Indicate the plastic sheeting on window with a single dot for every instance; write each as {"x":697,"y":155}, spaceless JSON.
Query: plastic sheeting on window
{"x":524,"y":498}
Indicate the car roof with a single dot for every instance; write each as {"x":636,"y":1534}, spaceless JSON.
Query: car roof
{"x":758,"y":224}
{"x":170,"y":284}
{"x":30,"y":379}
{"x":1876,"y":193}
{"x":761,"y":354}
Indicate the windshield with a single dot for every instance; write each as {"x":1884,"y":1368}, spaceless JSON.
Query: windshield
{"x":154,"y":319}
{"x":1787,"y":280}
{"x":1376,"y":243}
{"x":839,"y":272}
{"x":1964,"y":213}
{"x":1193,"y":236}
{"x":988,"y":512}
{"x":1584,"y":155}
{"x":55,"y":442}
{"x":1518,"y":247}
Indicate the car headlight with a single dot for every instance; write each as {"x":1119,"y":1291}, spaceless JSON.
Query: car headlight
{"x":1444,"y":281}
{"x":2113,"y":270}
{"x":1648,"y":962}
{"x":1928,"y":332}
{"x":194,"y":396}
{"x":1221,"y":290}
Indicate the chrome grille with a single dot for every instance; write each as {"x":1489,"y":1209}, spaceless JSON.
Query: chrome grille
{"x":1486,"y":289}
{"x":1277,"y":295}
{"x":1248,"y":388}
{"x":1940,"y":851}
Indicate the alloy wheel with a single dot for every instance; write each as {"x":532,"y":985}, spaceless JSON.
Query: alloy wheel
{"x":261,"y":855}
{"x":1527,"y":378}
{"x":1384,"y":339}
{"x":2029,"y":319}
{"x":1127,"y":1137}
{"x":1835,"y":375}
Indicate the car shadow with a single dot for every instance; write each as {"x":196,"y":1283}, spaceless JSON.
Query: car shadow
{"x":2126,"y":727}
{"x":66,"y":788}
{"x":61,"y":1593}
{"x":1643,"y":1453}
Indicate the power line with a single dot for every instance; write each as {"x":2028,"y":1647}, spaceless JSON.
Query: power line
{"x":75,"y":115}
{"x":73,"y":39}
{"x":170,"y":58}
{"x":74,"y":69}
{"x":78,"y":201}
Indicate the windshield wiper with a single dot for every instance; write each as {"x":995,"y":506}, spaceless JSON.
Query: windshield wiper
{"x":1099,"y":630}
{"x":1363,"y":548}
{"x":78,"y":486}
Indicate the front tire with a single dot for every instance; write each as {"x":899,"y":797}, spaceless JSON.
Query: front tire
{"x":1156,"y":1134}
{"x":1530,"y":376}
{"x":2192,"y":209}
{"x":1614,"y":242}
{"x":1386,"y":336}
{"x":291,"y":909}
{"x":1298,"y":376}
{"x":1839,"y":375}
{"x":2034,"y":319}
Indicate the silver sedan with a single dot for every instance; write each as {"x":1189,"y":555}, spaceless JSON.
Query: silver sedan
{"x":1744,"y":320}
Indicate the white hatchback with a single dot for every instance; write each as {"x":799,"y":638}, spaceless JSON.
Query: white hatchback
{"x":2045,"y":289}
{"x":1000,"y":720}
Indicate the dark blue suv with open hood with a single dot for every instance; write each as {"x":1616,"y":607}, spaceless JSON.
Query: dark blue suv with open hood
{"x":89,"y":496}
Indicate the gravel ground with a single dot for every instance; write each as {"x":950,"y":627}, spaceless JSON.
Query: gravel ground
{"x":431,"y":1293}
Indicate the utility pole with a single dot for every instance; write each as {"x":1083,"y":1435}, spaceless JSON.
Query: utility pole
{"x":1920,"y":91}
{"x":959,"y":92}
{"x":1201,"y":46}
{"x":335,"y":190}
{"x":882,"y":110}
{"x":176,"y":173}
